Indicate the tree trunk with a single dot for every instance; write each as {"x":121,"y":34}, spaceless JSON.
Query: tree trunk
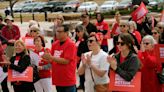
{"x":11,"y":8}
{"x":11,"y":3}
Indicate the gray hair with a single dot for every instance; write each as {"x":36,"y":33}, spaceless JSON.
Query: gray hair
{"x":81,"y":28}
{"x":125,"y":22}
{"x":133,"y":23}
{"x":150,"y":38}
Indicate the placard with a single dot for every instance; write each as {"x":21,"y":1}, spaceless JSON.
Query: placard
{"x":159,"y":49}
{"x":119,"y":84}
{"x":29,"y":42}
{"x":27,"y":75}
{"x":110,"y":44}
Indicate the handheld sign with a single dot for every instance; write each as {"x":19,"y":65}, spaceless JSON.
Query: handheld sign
{"x":119,"y":84}
{"x":27,"y":75}
{"x":29,"y":42}
{"x":159,"y":48}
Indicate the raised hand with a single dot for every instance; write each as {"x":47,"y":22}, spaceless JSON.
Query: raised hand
{"x":112,"y":61}
{"x":88,"y":60}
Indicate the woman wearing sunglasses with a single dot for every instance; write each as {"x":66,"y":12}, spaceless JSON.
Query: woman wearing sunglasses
{"x":156,"y":35}
{"x":150,"y":66}
{"x":95,"y":66}
{"x":34,"y":31}
{"x":125,"y":63}
{"x":160,"y":27}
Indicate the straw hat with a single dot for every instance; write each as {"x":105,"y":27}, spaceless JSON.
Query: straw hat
{"x":32,"y":22}
{"x":35,"y":27}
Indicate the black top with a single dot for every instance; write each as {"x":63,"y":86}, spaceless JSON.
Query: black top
{"x":23,"y":63}
{"x":91,"y":28}
{"x":83,"y":47}
{"x":128,"y":68}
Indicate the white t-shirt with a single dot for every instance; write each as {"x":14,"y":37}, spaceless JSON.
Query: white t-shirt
{"x":100,"y":61}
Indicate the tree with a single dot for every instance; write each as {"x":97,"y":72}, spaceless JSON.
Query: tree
{"x":11,"y":4}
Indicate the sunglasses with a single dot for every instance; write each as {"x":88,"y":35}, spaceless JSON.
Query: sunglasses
{"x":154,"y":33}
{"x":90,"y":41}
{"x":146,"y":43}
{"x":122,"y":25}
{"x":160,"y":27}
{"x":33,"y":31}
{"x":120,"y":43}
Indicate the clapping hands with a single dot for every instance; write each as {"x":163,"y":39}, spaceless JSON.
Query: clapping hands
{"x":112,"y":61}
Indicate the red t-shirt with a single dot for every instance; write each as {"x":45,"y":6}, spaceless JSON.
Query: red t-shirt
{"x":64,"y":74}
{"x":115,"y":29}
{"x":27,"y":35}
{"x":43,"y":73}
{"x":103,"y":26}
{"x":138,"y":36}
{"x":122,"y":59}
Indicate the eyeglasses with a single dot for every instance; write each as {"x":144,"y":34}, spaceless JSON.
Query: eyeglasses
{"x":122,"y":25}
{"x":154,"y":33}
{"x":33,"y":31}
{"x":90,"y":41}
{"x":146,"y":43}
{"x":122,"y":43}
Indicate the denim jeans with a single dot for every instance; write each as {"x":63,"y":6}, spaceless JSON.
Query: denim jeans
{"x":66,"y":88}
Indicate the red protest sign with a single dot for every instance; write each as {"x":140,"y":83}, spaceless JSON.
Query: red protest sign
{"x":29,"y":42}
{"x":159,"y":49}
{"x":119,"y":84}
{"x":139,"y":13}
{"x":162,"y":16}
{"x":27,"y":75}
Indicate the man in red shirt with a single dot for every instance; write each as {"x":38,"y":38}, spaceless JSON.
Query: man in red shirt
{"x":63,"y":57}
{"x":11,"y":33}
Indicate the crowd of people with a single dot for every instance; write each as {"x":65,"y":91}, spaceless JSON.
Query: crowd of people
{"x":83,"y":51}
